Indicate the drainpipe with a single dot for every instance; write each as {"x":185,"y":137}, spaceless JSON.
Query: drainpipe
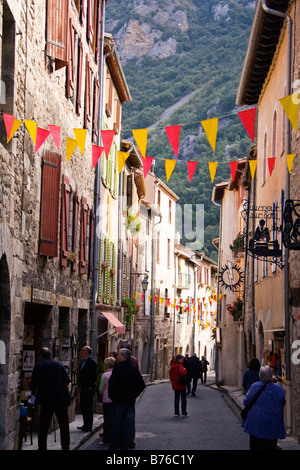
{"x":97,"y":185}
{"x":287,"y":195}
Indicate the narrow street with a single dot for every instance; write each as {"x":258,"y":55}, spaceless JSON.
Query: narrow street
{"x":213,"y":422}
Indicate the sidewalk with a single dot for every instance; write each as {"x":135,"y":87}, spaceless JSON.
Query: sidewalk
{"x":78,"y":437}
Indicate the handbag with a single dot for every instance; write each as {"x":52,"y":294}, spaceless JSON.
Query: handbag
{"x":183,"y":379}
{"x":248,"y":407}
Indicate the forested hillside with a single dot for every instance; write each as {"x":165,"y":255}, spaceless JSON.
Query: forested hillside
{"x":182,"y":60}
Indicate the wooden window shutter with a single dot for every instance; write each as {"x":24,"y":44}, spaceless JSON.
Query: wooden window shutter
{"x":88,"y":91}
{"x":71,"y":59}
{"x":57,"y":31}
{"x":80,"y":70}
{"x":83,"y":228}
{"x":129,"y":191}
{"x":92,"y":235}
{"x":107,"y":256}
{"x":64,"y":222}
{"x":80,"y":8}
{"x":100,"y":271}
{"x":91,"y":22}
{"x":98,"y":32}
{"x":96,"y":110}
{"x":114,"y":274}
{"x":75,"y":224}
{"x":48,"y":242}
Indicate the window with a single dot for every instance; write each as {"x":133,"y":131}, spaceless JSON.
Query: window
{"x":108,"y":95}
{"x":264,"y":168}
{"x":57,"y":32}
{"x":64,"y":222}
{"x":83,"y":236}
{"x":7,"y":64}
{"x":274,"y":132}
{"x":88,"y":95}
{"x":170,"y":211}
{"x":48,"y":240}
{"x":169,"y":253}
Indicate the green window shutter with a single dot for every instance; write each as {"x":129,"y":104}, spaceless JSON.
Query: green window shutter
{"x":100,"y":267}
{"x":116,"y":176}
{"x":114,"y":276}
{"x":107,"y":270}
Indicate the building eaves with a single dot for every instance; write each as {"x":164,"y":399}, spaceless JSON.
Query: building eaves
{"x":264,"y":38}
{"x":114,"y":64}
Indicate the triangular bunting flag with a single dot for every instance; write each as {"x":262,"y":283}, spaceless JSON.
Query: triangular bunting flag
{"x":71,"y":145}
{"x":169,"y":165}
{"x":31,"y":127}
{"x":140,"y":136}
{"x":107,"y":138}
{"x":191,"y":169}
{"x":41,"y":136}
{"x":11,"y":125}
{"x":55,"y":132}
{"x":252,"y":164}
{"x":80,"y":135}
{"x":122,"y":157}
{"x":212,"y":168}
{"x":96,"y":154}
{"x":271,"y":163}
{"x":248,"y":119}
{"x":211,"y":128}
{"x":290,"y":159}
{"x":233,"y":167}
{"x":173,"y":136}
{"x":291,"y":107}
{"x":147,"y":165}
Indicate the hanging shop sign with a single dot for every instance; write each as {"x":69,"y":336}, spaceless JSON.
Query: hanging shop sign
{"x":231,"y":277}
{"x":291,"y":225}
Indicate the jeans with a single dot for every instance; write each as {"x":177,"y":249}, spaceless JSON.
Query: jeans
{"x":262,"y":444}
{"x":194,"y":387}
{"x":122,"y":425}
{"x":87,"y":406}
{"x":106,"y":421}
{"x":61,"y":412}
{"x":180,"y":394}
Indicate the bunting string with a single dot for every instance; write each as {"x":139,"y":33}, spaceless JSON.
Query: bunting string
{"x":39,"y":136}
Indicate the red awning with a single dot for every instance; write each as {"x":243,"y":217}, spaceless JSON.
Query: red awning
{"x":120,"y":328}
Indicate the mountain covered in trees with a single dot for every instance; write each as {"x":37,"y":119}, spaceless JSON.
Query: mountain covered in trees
{"x":183,"y":60}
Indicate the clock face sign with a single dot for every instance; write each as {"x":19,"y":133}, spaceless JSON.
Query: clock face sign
{"x":231,"y":277}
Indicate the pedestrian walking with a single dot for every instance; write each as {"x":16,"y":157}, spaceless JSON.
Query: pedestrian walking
{"x":194,"y":369}
{"x":177,"y":370}
{"x":49,"y":385}
{"x":204,"y":364}
{"x":264,"y":421}
{"x":86,"y":386}
{"x":251,"y":374}
{"x":123,"y":344}
{"x":125,"y":385}
{"x":109,"y":363}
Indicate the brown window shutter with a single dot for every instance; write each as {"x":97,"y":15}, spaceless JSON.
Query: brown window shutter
{"x":48,"y":242}
{"x":71,"y":60}
{"x":80,"y":68}
{"x":91,"y":22}
{"x":96,"y":109}
{"x":91,"y":250}
{"x":98,"y":32}
{"x":88,"y":91}
{"x":57,"y":31}
{"x":75,"y":224}
{"x":64,"y":223}
{"x":83,"y":228}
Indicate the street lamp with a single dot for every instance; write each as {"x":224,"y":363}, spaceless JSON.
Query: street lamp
{"x":145,"y":283}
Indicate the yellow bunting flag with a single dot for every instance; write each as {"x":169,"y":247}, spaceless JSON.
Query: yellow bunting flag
{"x":212,"y":169}
{"x":136,"y":295}
{"x":71,"y":145}
{"x":140,"y":136}
{"x":291,"y":107}
{"x":252,"y":164}
{"x":80,"y":135}
{"x":32,"y":128}
{"x":290,"y":159}
{"x":170,"y":165}
{"x":122,"y":157}
{"x":211,"y":128}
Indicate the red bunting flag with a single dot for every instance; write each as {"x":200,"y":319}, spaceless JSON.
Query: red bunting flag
{"x":271,"y":163}
{"x":8,"y":121}
{"x":96,"y":154}
{"x":41,"y":136}
{"x":107,"y":138}
{"x":55,"y":132}
{"x":147,"y":162}
{"x":248,"y":119}
{"x":191,"y":169}
{"x":233,"y":167}
{"x":143,"y":295}
{"x":173,"y":135}
{"x":155,"y":298}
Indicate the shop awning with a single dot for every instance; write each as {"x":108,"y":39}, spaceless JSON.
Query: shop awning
{"x":120,"y":328}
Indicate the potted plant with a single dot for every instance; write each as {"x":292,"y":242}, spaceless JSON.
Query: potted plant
{"x":130,"y":308}
{"x":133,"y":223}
{"x":235,"y":309}
{"x":237,"y":244}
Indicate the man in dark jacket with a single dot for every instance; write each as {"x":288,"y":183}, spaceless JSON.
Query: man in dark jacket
{"x":124,"y":386}
{"x":193,"y":367}
{"x":86,"y":383}
{"x":49,"y":384}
